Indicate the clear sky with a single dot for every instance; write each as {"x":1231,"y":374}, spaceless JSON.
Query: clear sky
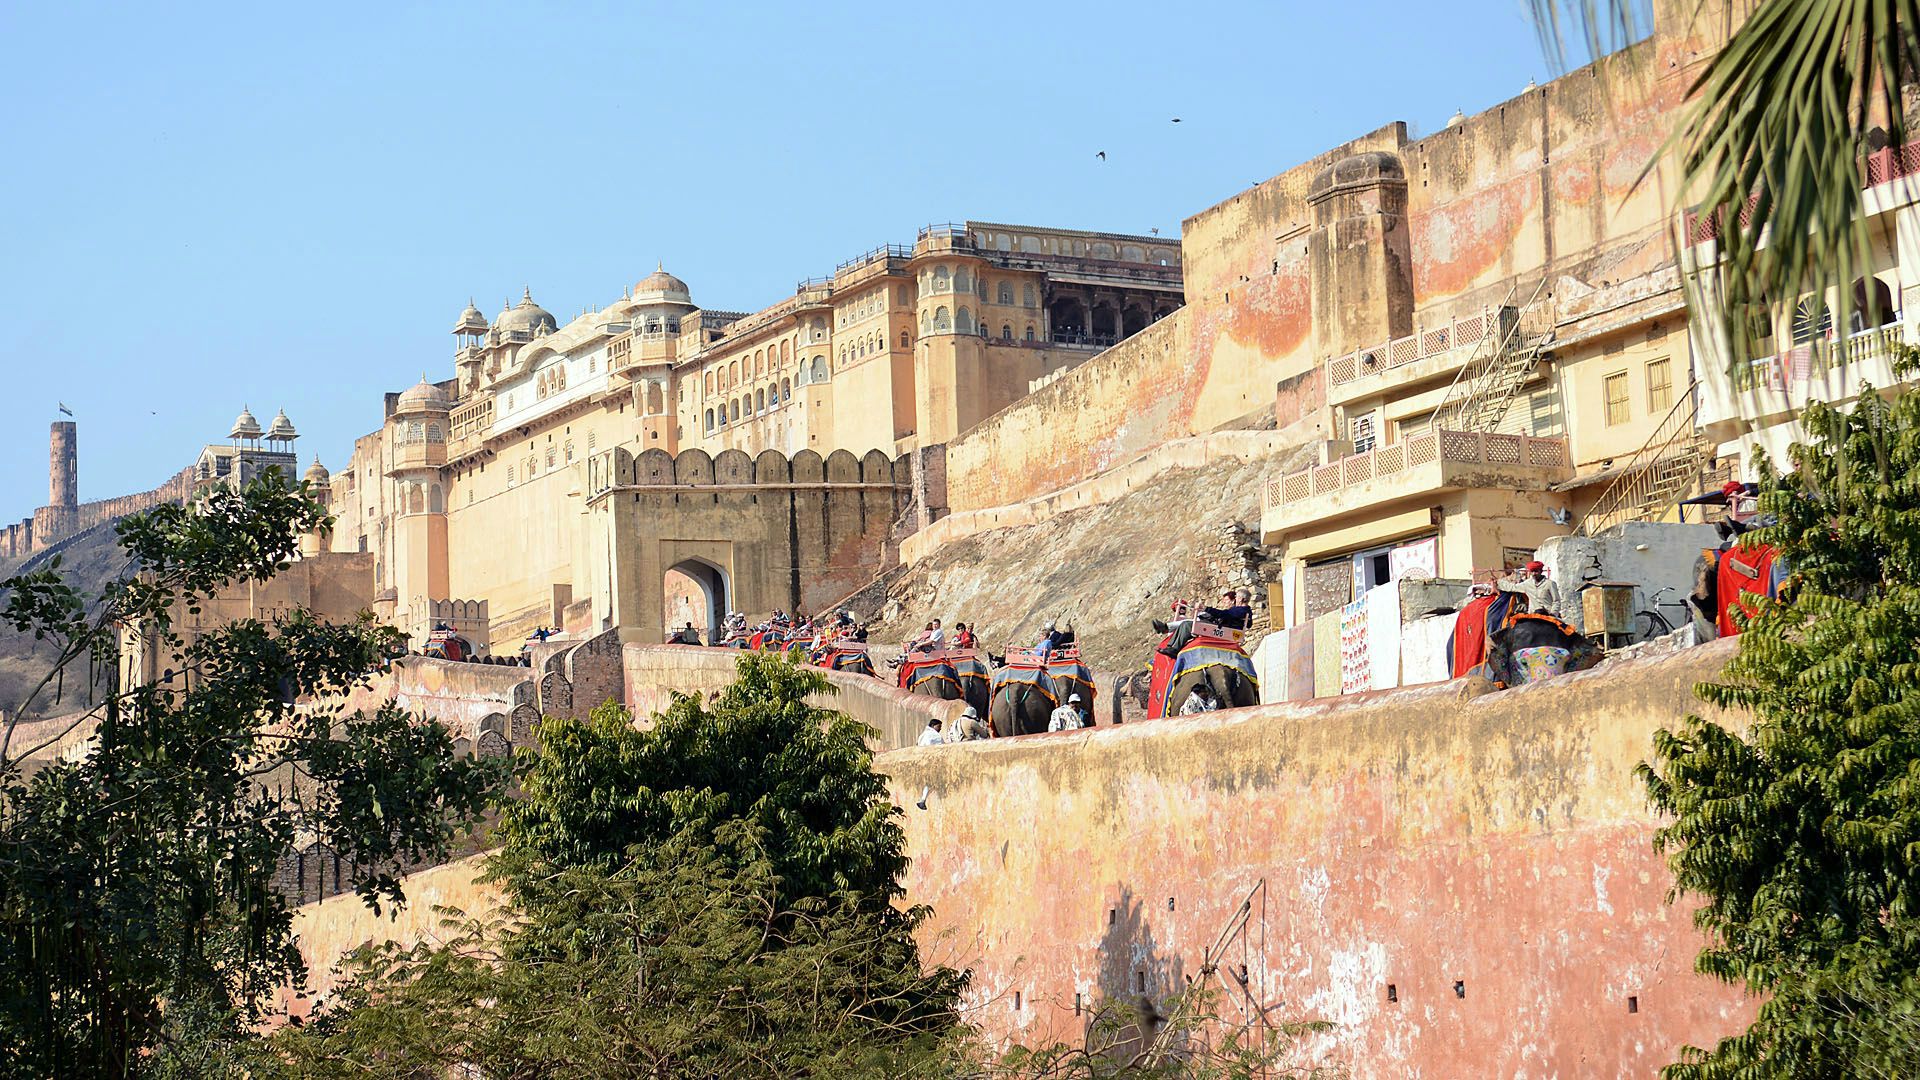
{"x":287,"y":205}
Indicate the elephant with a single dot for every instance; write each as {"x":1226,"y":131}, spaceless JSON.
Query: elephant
{"x":842,"y":659}
{"x":976,"y":680}
{"x":1023,"y":700}
{"x":1163,"y":686}
{"x":1533,"y":647}
{"x":929,"y":677}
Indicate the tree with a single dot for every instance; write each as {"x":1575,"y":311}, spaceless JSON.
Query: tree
{"x":1774,"y":137}
{"x":709,"y":897}
{"x":800,"y":773}
{"x":139,"y":924}
{"x":1803,"y":835}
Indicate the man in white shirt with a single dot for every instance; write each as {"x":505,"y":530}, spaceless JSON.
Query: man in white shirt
{"x":1067,"y":717}
{"x":930,"y":735}
{"x":972,"y":727}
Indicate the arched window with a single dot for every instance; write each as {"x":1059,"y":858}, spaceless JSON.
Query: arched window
{"x":436,"y":500}
{"x":1812,"y":321}
{"x":433,"y":432}
{"x":939,"y":279}
{"x":416,"y":499}
{"x":759,"y":362}
{"x":786,"y":390}
{"x":1872,"y":305}
{"x":733,"y":373}
{"x":786,"y":351}
{"x":906,"y":340}
{"x":1006,"y":293}
{"x":962,"y":280}
{"x":734,"y":413}
{"x":819,"y":329}
{"x":1006,"y":331}
{"x":964,"y":324}
{"x":416,"y":432}
{"x":925,"y":322}
{"x":900,"y":296}
{"x":709,"y":382}
{"x":709,"y":419}
{"x":942,"y":320}
{"x":819,"y":369}
{"x":1029,"y":331}
{"x":1026,"y":294}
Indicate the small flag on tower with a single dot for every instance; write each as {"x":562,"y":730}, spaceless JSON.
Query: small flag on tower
{"x":63,"y":407}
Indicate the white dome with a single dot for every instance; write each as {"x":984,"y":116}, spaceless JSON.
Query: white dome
{"x":244,"y":425}
{"x":424,"y":396}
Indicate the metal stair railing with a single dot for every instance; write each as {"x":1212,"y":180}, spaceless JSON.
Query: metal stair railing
{"x":1667,"y":463}
{"x":1484,"y":387}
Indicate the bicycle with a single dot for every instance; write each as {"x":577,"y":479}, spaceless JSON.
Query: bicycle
{"x":1653,"y":623}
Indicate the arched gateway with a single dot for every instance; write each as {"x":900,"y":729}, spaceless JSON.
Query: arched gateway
{"x":753,"y":534}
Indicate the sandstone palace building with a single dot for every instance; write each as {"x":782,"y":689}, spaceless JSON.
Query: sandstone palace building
{"x":1477,"y":339}
{"x":477,"y":485}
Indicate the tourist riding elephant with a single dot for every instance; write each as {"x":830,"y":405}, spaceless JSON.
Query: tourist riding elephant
{"x":930,"y":676}
{"x":1219,"y":661}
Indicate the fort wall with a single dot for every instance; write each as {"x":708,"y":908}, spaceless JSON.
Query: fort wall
{"x":1463,"y":883}
{"x":1487,"y":858}
{"x":50,"y":524}
{"x":654,"y":673}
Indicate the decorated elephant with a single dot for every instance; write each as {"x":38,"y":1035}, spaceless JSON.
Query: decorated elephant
{"x":976,"y":679}
{"x":845,"y":656}
{"x":1534,"y":647}
{"x":930,"y":675}
{"x":1213,"y":656}
{"x":1029,"y":687}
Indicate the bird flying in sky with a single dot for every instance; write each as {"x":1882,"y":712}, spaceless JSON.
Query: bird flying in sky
{"x":1101,"y":154}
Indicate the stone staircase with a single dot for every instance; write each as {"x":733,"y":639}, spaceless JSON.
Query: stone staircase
{"x":1485,"y":388}
{"x":1670,"y":466}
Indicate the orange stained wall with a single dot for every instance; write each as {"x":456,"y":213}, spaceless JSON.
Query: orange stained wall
{"x":1411,"y":840}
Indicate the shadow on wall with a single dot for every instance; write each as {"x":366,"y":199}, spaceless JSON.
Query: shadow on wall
{"x":1137,"y":977}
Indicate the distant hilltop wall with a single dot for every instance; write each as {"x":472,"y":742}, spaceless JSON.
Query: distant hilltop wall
{"x":51,"y":524}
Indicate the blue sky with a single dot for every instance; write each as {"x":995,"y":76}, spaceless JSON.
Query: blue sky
{"x":287,"y":205}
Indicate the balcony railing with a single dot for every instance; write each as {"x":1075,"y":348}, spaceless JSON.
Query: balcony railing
{"x":1811,"y":360}
{"x":1877,"y":168}
{"x":1075,"y":337}
{"x":1458,"y":447}
{"x":1428,"y":341}
{"x":472,"y":418}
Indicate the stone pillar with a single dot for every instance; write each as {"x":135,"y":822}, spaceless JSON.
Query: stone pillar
{"x":1360,"y":253}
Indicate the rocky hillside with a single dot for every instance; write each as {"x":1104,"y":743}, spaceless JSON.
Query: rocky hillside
{"x":88,"y":564}
{"x":1106,"y":570}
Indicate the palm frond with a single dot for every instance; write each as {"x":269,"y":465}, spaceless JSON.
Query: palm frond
{"x":1772,"y":143}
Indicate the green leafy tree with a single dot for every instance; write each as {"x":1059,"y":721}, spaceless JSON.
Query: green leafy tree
{"x":140,"y":930}
{"x":759,"y":751}
{"x":1803,"y":835}
{"x":712,"y":896}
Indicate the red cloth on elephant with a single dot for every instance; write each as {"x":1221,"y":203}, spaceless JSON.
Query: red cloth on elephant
{"x":1470,"y":636}
{"x":1743,"y":571}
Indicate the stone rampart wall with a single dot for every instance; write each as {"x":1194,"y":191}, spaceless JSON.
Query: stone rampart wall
{"x":655,"y":672}
{"x":1463,"y":886}
{"x":1189,"y":453}
{"x":32,"y":535}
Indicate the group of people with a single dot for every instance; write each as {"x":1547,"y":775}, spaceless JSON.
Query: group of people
{"x":1070,"y":716}
{"x":1234,"y":612}
{"x":934,"y":637}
